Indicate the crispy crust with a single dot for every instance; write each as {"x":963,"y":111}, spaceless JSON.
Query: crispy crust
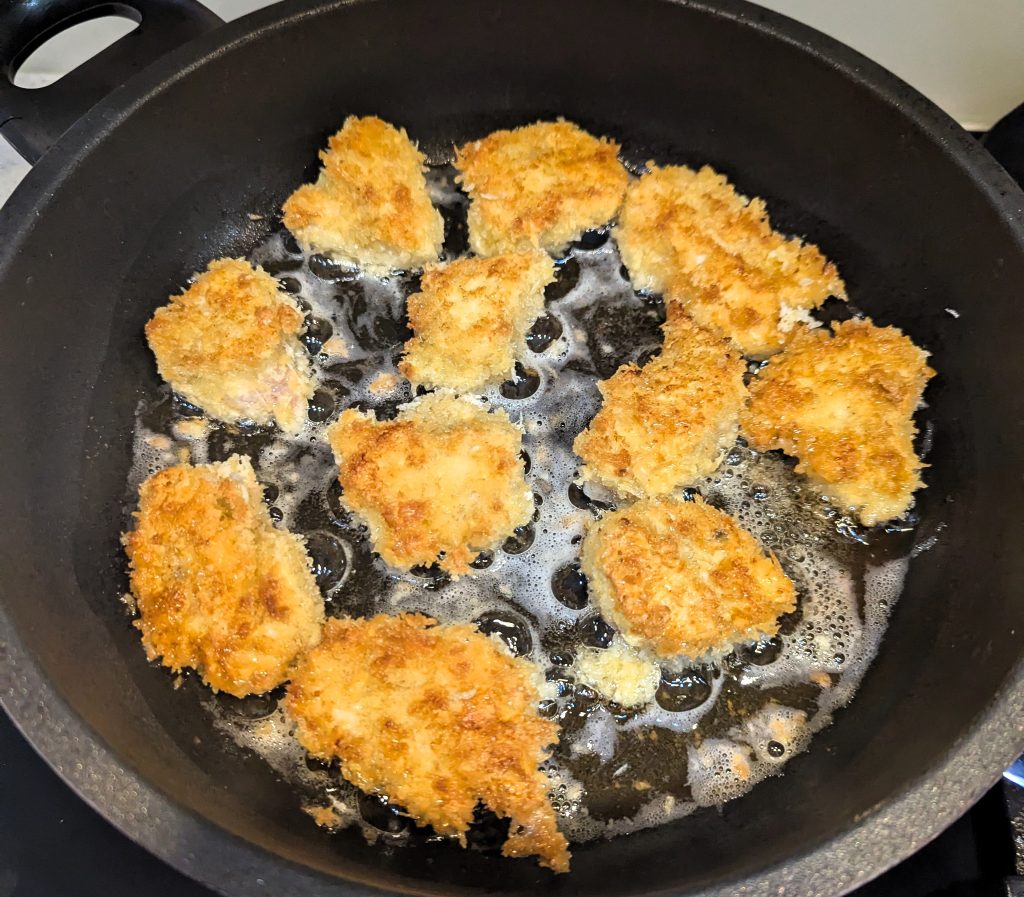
{"x":541,"y":185}
{"x":218,"y":588}
{"x":370,"y":206}
{"x":689,"y":235}
{"x":436,"y":718}
{"x":443,"y":477}
{"x":669,"y":423}
{"x":619,"y":673}
{"x":230,"y":344}
{"x":682,"y":578}
{"x":843,"y":405}
{"x":471,"y":318}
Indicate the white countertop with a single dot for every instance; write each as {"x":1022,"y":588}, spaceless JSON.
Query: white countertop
{"x":966,"y":55}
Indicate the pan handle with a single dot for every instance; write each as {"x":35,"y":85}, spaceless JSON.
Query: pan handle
{"x":32,"y":120}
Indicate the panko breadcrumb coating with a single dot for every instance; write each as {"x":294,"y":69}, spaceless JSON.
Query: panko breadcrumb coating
{"x":370,"y":206}
{"x":683,"y":579}
{"x":436,"y":718}
{"x":443,"y":481}
{"x":471,"y":318}
{"x":217,"y":587}
{"x":665,"y":425}
{"x":230,"y":344}
{"x":843,"y":404}
{"x":690,"y":236}
{"x":618,"y":673}
{"x":541,"y":185}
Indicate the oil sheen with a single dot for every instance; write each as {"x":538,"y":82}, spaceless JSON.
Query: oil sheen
{"x":715,"y":727}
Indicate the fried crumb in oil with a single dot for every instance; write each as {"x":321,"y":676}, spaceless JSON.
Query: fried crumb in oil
{"x":218,"y":588}
{"x":336,"y":346}
{"x":690,"y":236}
{"x":665,"y":425}
{"x":191,"y":428}
{"x":436,"y":717}
{"x":539,"y":186}
{"x":230,"y":344}
{"x":471,"y":317}
{"x":821,"y":678}
{"x":740,"y":765}
{"x":441,"y":482}
{"x":370,"y":206}
{"x":843,"y":404}
{"x":683,"y":579}
{"x":384,"y":384}
{"x":325,"y":817}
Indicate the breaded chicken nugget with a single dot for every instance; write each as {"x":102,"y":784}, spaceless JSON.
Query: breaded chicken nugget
{"x":690,"y":236}
{"x":668,"y":423}
{"x":471,"y":318}
{"x":541,"y":185}
{"x":681,"y":578}
{"x":230,"y":344}
{"x":217,"y":587}
{"x":436,"y":718}
{"x":443,"y":481}
{"x":619,"y":673}
{"x":370,"y":206}
{"x":843,"y":404}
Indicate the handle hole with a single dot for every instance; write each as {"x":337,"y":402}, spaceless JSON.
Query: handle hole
{"x":69,"y":48}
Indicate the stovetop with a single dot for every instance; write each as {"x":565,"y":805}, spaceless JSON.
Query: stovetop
{"x":54,"y":845}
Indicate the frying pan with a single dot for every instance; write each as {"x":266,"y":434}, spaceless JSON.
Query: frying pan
{"x":165,"y":172}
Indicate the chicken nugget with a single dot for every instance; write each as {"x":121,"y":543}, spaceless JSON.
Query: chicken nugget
{"x":683,"y":579}
{"x":669,"y":423}
{"x":471,"y":318}
{"x":690,"y":236}
{"x":541,"y":185}
{"x":618,"y":673}
{"x":230,"y":344}
{"x":219,"y":588}
{"x":436,"y":718}
{"x":370,"y":206}
{"x":843,"y":404}
{"x":442,"y":482}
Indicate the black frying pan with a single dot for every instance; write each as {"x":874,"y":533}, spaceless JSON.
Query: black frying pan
{"x":159,"y":177}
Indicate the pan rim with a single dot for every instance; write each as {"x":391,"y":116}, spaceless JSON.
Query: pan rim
{"x":889,"y":833}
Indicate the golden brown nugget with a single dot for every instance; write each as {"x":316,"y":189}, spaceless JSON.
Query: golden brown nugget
{"x":683,"y":579}
{"x":843,"y":404}
{"x":217,"y":587}
{"x":443,"y":481}
{"x":665,"y":425}
{"x":690,"y":236}
{"x":230,"y":344}
{"x":471,"y":318}
{"x":541,"y":185}
{"x":370,"y":206}
{"x":436,"y":718}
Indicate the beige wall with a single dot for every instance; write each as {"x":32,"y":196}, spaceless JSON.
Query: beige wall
{"x":966,"y":55}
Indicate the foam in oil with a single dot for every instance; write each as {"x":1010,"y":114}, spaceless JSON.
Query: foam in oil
{"x":713,"y":729}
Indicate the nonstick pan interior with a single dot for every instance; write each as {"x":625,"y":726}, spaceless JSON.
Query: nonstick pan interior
{"x":137,"y":199}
